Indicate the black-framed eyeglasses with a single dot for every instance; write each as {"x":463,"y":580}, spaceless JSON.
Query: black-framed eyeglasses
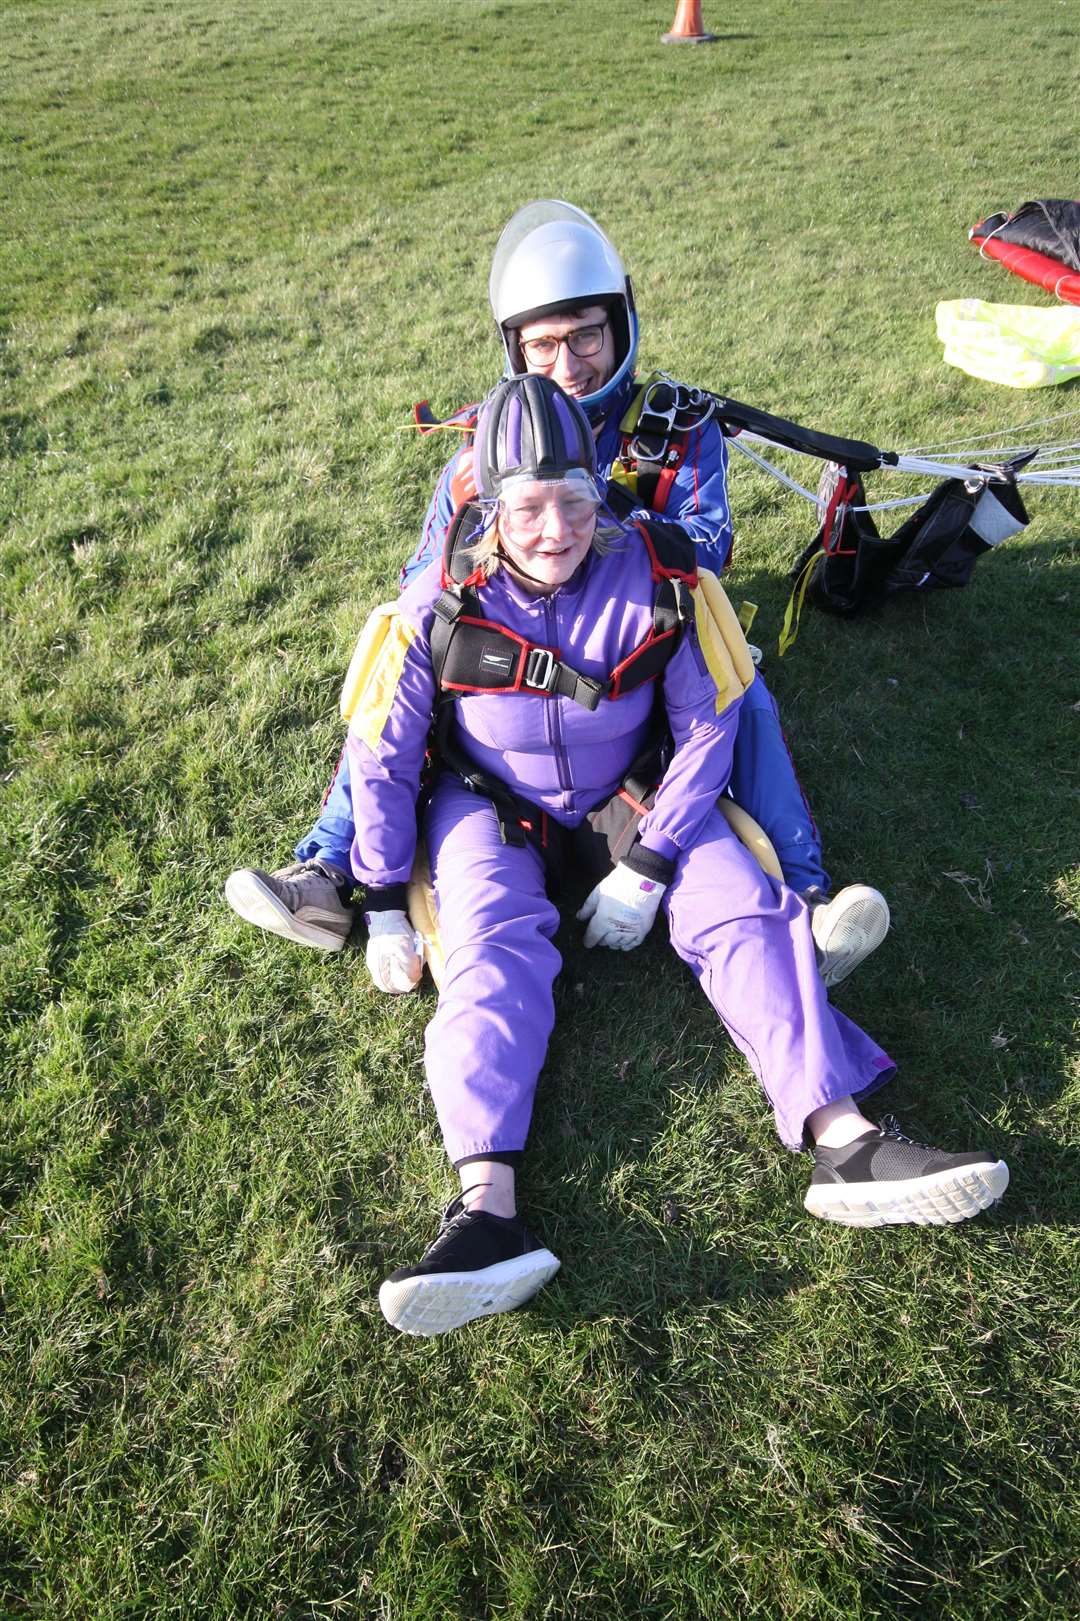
{"x":583,"y":342}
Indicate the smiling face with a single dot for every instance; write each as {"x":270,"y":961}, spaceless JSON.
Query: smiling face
{"x":546,"y":529}
{"x":578,"y":375}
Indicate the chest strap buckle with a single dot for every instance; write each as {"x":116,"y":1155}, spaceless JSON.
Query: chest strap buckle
{"x":541,"y":670}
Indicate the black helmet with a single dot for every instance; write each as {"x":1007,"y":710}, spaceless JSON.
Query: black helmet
{"x":528,"y":428}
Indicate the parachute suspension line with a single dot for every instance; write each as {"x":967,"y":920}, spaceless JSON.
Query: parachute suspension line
{"x":1071,"y":482}
{"x":1047,"y":456}
{"x":767,"y":467}
{"x":1064,"y":476}
{"x":935,"y":469}
{"x":928,"y":468}
{"x":800,"y":489}
{"x":891,"y":506}
{"x":1014,"y":427}
{"x":920,"y":465}
{"x":990,"y":236}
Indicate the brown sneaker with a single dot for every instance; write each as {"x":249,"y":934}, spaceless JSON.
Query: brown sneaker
{"x":302,"y":902}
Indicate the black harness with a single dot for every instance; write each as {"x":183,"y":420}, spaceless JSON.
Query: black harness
{"x":473,"y":654}
{"x":470,"y":653}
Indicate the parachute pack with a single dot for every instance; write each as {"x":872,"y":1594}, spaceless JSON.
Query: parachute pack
{"x":849,"y":566}
{"x":1039,"y":241}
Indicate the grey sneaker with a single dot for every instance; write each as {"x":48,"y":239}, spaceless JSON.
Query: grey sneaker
{"x":846,"y":928}
{"x":302,"y":902}
{"x":884,"y":1178}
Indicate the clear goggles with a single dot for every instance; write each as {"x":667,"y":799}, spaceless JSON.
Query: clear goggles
{"x":525,"y":503}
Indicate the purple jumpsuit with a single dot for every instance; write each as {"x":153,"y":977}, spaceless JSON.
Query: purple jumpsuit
{"x":745,"y":936}
{"x":763,"y":778}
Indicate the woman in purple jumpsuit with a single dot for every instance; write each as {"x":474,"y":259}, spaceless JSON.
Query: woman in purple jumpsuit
{"x":564,"y":307}
{"x":553,"y":582}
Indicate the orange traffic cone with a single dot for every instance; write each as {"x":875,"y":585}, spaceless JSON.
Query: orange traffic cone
{"x":687,"y":29}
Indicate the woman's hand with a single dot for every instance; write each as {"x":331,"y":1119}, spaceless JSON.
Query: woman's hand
{"x":393,"y":961}
{"x":621,"y":909}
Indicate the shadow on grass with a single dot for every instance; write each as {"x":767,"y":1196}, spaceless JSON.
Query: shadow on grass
{"x":593,"y":1183}
{"x":1044,"y":1186}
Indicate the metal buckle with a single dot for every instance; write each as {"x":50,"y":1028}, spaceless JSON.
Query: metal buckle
{"x":540,"y":669}
{"x":651,"y":422}
{"x":689,"y":408}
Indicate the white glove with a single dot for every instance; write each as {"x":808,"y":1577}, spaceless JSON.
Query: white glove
{"x":621,"y":909}
{"x":393,"y":960}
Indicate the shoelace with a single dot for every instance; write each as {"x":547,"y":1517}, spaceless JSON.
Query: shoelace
{"x":456,"y":1208}
{"x":890,"y":1127}
{"x":454,"y":1213}
{"x":302,"y":881}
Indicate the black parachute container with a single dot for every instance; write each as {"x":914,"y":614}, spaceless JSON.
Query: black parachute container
{"x":1049,"y":225}
{"x":849,"y":567}
{"x":1039,"y":241}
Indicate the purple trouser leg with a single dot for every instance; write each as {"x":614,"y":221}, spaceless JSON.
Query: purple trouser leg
{"x":763,"y":782}
{"x":747,"y":939}
{"x":484,"y":1049}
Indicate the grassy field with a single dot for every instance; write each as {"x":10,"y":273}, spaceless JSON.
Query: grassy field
{"x":239,"y":245}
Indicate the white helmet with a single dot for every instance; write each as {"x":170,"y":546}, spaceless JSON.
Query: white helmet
{"x":553,"y":257}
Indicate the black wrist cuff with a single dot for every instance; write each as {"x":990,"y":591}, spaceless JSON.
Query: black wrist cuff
{"x":649,"y":864}
{"x":511,"y":1157}
{"x":390,"y":899}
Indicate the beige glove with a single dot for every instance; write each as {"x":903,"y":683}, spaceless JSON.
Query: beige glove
{"x":621,"y":909}
{"x":392,"y":956}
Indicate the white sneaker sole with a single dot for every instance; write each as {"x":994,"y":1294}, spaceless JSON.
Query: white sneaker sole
{"x":848,"y":936}
{"x":437,"y":1302}
{"x":924,"y":1201}
{"x":255,"y":903}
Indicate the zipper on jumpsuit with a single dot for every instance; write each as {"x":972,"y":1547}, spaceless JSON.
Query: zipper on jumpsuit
{"x":552,"y":714}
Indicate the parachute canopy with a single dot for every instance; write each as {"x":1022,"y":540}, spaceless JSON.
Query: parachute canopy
{"x":1039,"y":241}
{"x":1019,"y":345}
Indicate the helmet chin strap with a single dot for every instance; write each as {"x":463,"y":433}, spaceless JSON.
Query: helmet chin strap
{"x":516,"y":568}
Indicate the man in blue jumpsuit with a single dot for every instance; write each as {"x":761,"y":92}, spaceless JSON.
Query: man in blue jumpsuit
{"x":564,"y":308}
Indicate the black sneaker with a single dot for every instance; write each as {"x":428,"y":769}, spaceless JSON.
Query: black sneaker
{"x":884,"y":1178}
{"x":479,"y":1265}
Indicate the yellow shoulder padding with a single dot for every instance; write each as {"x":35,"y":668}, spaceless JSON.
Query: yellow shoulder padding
{"x":637,"y":400}
{"x":624,"y":475}
{"x":721,"y":639}
{"x":750,"y":833}
{"x":374,"y":672}
{"x":424,"y":914}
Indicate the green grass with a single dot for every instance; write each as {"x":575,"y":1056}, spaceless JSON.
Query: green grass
{"x":239,"y":246}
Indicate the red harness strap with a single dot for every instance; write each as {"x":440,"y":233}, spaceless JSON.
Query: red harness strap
{"x":472,"y":654}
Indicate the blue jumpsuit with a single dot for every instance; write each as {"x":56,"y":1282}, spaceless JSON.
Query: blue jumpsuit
{"x":763,"y":779}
